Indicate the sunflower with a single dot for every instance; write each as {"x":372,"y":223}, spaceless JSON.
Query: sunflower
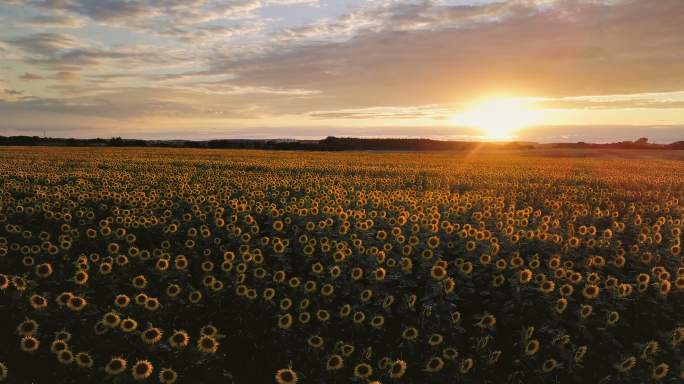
{"x":363,"y":371}
{"x":435,"y":339}
{"x":27,"y":327}
{"x":80,"y":278}
{"x":334,"y":363}
{"x":76,"y":303}
{"x":179,"y":339}
{"x":531,"y":347}
{"x":664,"y":287}
{"x":550,"y":365}
{"x":677,"y":336}
{"x":195,"y":297}
{"x":141,"y":370}
{"x":167,"y":376}
{"x":547,"y":286}
{"x":111,"y":319}
{"x":660,"y":371}
{"x":151,"y":335}
{"x":410,"y":334}
{"x":29,"y":344}
{"x":566,"y":290}
{"x":487,"y":321}
{"x":116,"y":366}
{"x":128,"y":325}
{"x":626,"y":365}
{"x":466,"y":365}
{"x":651,"y":348}
{"x":140,"y":299}
{"x":65,"y":357}
{"x":377,"y":321}
{"x":207,"y":344}
{"x":122,"y":301}
{"x":450,"y":353}
{"x":585,"y":311}
{"x":4,"y":282}
{"x":448,"y":285}
{"x":525,"y":276}
{"x":613,"y":317}
{"x":435,"y":364}
{"x":100,"y":328}
{"x":4,"y":371}
{"x":84,"y":360}
{"x":286,"y":376}
{"x":43,"y":270}
{"x":315,"y":341}
{"x":322,"y":315}
{"x":561,"y":305}
{"x":173,"y":290}
{"x":58,"y":346}
{"x":590,"y":291}
{"x":347,"y":350}
{"x":438,"y":272}
{"x":345,"y":310}
{"x":209,"y":330}
{"x":398,"y":369}
{"x":579,"y":353}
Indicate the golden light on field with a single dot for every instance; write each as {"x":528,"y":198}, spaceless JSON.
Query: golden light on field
{"x":499,"y":119}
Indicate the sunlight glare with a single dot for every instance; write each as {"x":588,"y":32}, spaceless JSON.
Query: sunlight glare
{"x":499,"y":119}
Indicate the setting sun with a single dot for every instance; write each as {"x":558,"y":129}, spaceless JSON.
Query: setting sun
{"x":499,"y":119}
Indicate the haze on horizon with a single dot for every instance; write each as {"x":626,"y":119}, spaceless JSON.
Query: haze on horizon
{"x":539,"y":70}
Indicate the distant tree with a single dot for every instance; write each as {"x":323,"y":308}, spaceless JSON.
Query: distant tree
{"x":116,"y":142}
{"x":642,"y":141}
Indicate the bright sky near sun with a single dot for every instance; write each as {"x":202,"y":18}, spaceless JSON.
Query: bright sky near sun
{"x":540,"y":70}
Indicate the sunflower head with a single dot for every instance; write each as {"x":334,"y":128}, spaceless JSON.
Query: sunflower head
{"x":286,"y":376}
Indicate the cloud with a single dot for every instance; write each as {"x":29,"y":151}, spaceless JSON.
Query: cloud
{"x":65,"y":76}
{"x":570,"y":48}
{"x":30,"y":77}
{"x":54,"y":21}
{"x":44,"y":44}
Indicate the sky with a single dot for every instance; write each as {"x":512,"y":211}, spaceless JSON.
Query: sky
{"x":537,"y":70}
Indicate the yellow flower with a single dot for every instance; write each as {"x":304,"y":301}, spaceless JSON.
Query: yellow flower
{"x":435,"y":364}
{"x":409,"y":334}
{"x":179,"y":339}
{"x":363,"y":371}
{"x":29,"y":344}
{"x":141,"y":370}
{"x":167,"y":376}
{"x":626,"y":365}
{"x":550,"y":365}
{"x":579,"y":353}
{"x":65,"y":357}
{"x":334,"y":363}
{"x":532,"y":347}
{"x":591,"y":291}
{"x":286,"y":376}
{"x":660,"y":371}
{"x":397,"y":369}
{"x":151,"y":335}
{"x":116,"y":366}
{"x":84,"y":360}
{"x":4,"y":371}
{"x":27,"y":327}
{"x":207,"y":344}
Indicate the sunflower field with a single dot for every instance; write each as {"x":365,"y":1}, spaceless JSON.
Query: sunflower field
{"x":209,"y":266}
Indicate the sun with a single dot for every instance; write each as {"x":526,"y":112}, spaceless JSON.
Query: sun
{"x":499,"y":119}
